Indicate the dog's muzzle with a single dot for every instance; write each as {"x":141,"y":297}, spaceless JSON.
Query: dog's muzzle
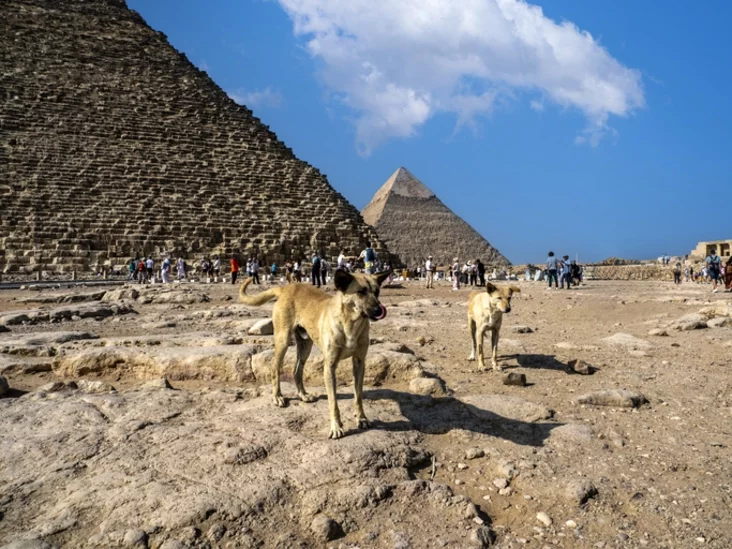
{"x":378,"y":313}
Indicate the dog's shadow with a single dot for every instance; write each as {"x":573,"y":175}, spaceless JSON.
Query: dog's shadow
{"x":436,"y":416}
{"x":533,"y":362}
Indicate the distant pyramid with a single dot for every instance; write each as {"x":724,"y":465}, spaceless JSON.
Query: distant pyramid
{"x":414,"y":223}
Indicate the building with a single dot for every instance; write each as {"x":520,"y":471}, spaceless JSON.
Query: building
{"x":703,"y":249}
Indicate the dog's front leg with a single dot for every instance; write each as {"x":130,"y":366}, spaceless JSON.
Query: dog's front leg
{"x":329,"y":373}
{"x":472,"y":327}
{"x":494,"y":349}
{"x":479,"y":336}
{"x":359,"y":369}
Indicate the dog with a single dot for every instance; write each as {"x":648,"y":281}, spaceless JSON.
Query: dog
{"x":338,"y":325}
{"x":485,"y":312}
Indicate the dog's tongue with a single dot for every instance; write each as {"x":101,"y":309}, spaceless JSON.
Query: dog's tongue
{"x":381,"y":315}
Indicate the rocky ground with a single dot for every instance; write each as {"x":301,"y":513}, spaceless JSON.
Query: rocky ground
{"x":140,"y":417}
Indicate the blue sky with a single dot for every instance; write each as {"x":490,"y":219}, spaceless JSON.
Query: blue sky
{"x":597,"y":128}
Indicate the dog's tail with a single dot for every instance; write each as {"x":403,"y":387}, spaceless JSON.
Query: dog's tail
{"x":259,"y":299}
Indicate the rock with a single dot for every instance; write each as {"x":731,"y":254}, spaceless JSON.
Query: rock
{"x":620,"y":398}
{"x":492,"y":407}
{"x":578,"y":491}
{"x":135,"y":538}
{"x":628,"y":341}
{"x":28,"y":544}
{"x":658,"y":332}
{"x":471,"y":511}
{"x":262,"y":327}
{"x":427,"y":386}
{"x":500,"y":483}
{"x":507,"y":469}
{"x":474,"y":453}
{"x":94,"y":387}
{"x":616,"y":439}
{"x":579,"y":366}
{"x":693,"y":321}
{"x":4,"y":387}
{"x":573,"y":432}
{"x":505,"y":491}
{"x":161,"y":383}
{"x":519,"y":329}
{"x":41,"y":343}
{"x":325,"y":529}
{"x":418,"y":303}
{"x":512,"y":378}
{"x":220,"y":362}
{"x":122,"y":293}
{"x":13,"y":319}
{"x":720,"y":322}
{"x":570,"y":524}
{"x":482,"y":537}
{"x":545,"y":519}
{"x":382,"y":364}
{"x":56,"y":386}
{"x":3,"y":329}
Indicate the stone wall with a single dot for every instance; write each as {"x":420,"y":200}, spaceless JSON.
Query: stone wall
{"x":112,"y":145}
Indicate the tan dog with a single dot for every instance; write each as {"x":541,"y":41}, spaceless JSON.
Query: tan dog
{"x":338,"y":325}
{"x":485,"y":312}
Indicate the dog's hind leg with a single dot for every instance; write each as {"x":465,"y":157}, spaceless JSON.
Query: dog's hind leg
{"x":494,"y":350}
{"x":303,"y":345}
{"x":359,"y":369}
{"x":472,"y":327}
{"x":282,"y":338}
{"x":329,"y":374}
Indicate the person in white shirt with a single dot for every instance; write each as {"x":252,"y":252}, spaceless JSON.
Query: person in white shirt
{"x":429,"y":268}
{"x":341,"y":261}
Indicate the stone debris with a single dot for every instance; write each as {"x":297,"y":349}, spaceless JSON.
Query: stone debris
{"x":325,"y":528}
{"x":628,"y":341}
{"x":579,"y":491}
{"x":542,"y":517}
{"x":519,"y":329}
{"x":658,"y":332}
{"x":69,"y":312}
{"x":41,"y":343}
{"x":4,"y":386}
{"x":262,"y":327}
{"x":513,"y":378}
{"x":579,"y":366}
{"x":427,"y":386}
{"x":693,"y":321}
{"x":620,"y":398}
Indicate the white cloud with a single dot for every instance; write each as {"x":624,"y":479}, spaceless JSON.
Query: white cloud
{"x":537,"y":105}
{"x":258,"y":99}
{"x":396,"y":64}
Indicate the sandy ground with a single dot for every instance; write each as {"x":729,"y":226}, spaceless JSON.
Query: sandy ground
{"x":661,"y":471}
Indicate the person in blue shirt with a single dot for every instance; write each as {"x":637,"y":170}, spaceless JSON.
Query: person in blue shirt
{"x":566,"y":272}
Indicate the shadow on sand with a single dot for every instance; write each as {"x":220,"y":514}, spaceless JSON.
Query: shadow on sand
{"x":440,"y":415}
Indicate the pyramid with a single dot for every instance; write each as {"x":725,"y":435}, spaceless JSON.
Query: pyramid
{"x":112,"y":145}
{"x":414,"y":223}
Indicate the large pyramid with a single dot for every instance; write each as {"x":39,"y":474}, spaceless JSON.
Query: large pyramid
{"x":414,"y":223}
{"x":113,"y":144}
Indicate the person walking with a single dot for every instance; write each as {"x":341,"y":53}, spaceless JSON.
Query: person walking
{"x":455,"y":275}
{"x":315,"y":271}
{"x":481,"y":272}
{"x":255,"y":270}
{"x":566,"y":273}
{"x":234,"y":269}
{"x":341,"y":261}
{"x":273,"y":272}
{"x":714,"y":268}
{"x":429,"y":272}
{"x":473,"y":274}
{"x":165,"y":271}
{"x":324,"y":268}
{"x":132,"y":267}
{"x":297,"y":271}
{"x":181,"y":269}
{"x":677,"y":273}
{"x":217,"y":267}
{"x":150,"y":265}
{"x":552,"y":265}
{"x":728,"y":275}
{"x":141,"y":271}
{"x":369,"y":257}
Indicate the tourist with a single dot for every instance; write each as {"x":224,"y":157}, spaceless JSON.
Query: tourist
{"x":315,"y":271}
{"x":217,"y":266}
{"x":141,"y":271}
{"x":728,"y":275}
{"x":714,"y":268}
{"x":204,"y":268}
{"x":473,"y":274}
{"x":150,"y":264}
{"x":165,"y":270}
{"x":255,"y":270}
{"x":297,"y":271}
{"x":341,"y":261}
{"x":527,"y":274}
{"x":481,"y":272}
{"x":369,"y":257}
{"x":289,"y":271}
{"x":324,"y":268}
{"x":429,"y":272}
{"x":181,"y":269}
{"x":551,"y":267}
{"x":273,"y":272}
{"x":566,"y":272}
{"x":234,"y":269}
{"x":132,"y":268}
{"x":677,"y":273}
{"x":455,"y":274}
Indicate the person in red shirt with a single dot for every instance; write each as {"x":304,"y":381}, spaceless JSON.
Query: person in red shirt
{"x":234,"y":269}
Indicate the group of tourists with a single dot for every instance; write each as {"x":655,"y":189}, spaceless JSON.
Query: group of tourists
{"x":712,"y":271}
{"x":142,"y":270}
{"x":562,"y":271}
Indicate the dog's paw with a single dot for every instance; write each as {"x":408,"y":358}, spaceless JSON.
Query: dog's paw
{"x":336,"y":431}
{"x":497,"y":368}
{"x":471,"y":358}
{"x":307,"y":397}
{"x":363,"y":423}
{"x":279,"y":401}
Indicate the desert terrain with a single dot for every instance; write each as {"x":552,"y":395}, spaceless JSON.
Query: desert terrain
{"x":140,"y":416}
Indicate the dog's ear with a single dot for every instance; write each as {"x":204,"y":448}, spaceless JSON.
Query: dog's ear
{"x":342,"y":280}
{"x":490,"y":288}
{"x":513,"y":290}
{"x":381,"y":277}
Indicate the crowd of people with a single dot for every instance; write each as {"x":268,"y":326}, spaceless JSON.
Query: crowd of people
{"x":712,"y":271}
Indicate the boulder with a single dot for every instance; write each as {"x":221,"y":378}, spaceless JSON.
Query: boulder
{"x":4,"y":386}
{"x":578,"y":491}
{"x":720,"y":322}
{"x":40,"y":343}
{"x":492,"y":407}
{"x":627,"y":341}
{"x":120,"y":294}
{"x":94,"y":387}
{"x":693,"y":321}
{"x":620,"y":398}
{"x":579,"y":366}
{"x":512,"y":378}
{"x":224,"y":362}
{"x":658,"y":332}
{"x":427,"y":386}
{"x":325,"y":529}
{"x":262,"y":327}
